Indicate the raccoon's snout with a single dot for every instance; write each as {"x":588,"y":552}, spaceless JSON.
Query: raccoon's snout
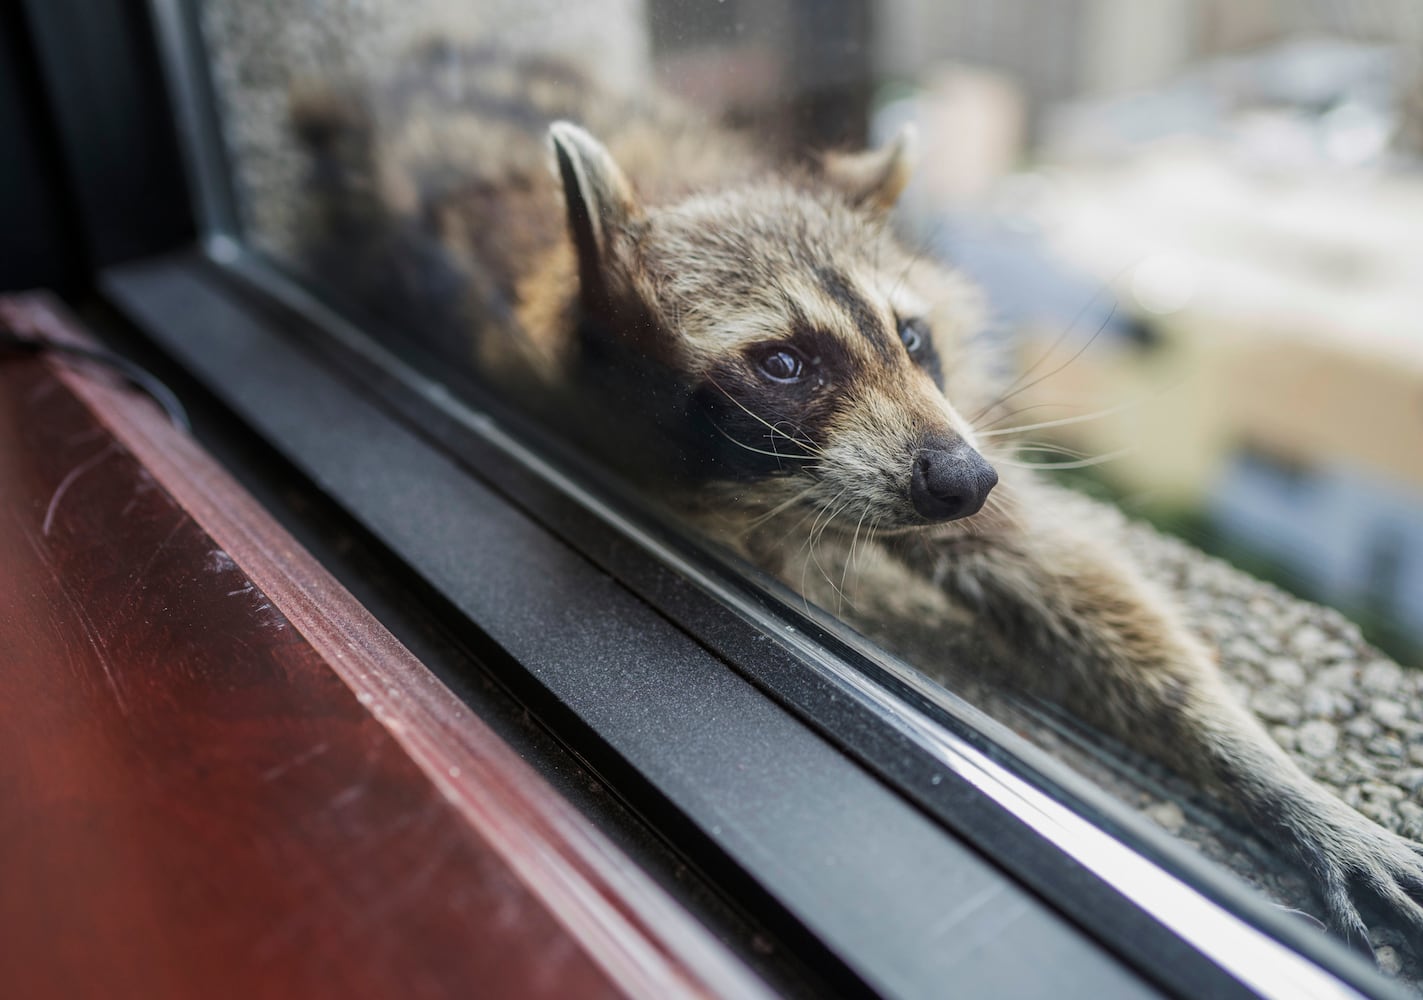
{"x":949,"y":483}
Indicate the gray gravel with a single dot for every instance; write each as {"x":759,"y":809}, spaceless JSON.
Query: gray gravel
{"x":1345,"y":712}
{"x":1348,"y":714}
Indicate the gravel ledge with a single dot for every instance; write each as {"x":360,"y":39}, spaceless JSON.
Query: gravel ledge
{"x":1345,"y":712}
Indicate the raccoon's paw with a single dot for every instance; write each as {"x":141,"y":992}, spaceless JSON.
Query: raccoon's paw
{"x":1360,"y":864}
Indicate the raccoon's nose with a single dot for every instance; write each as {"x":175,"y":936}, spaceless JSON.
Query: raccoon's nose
{"x":947,"y":484}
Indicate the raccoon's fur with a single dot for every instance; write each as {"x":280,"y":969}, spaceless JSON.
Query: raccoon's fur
{"x":755,"y":345}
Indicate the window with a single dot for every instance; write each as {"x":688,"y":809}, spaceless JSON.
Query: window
{"x":395,"y":173}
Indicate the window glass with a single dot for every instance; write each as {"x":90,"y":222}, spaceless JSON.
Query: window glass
{"x":904,"y":303}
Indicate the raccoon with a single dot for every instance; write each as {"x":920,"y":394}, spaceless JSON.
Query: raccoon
{"x":755,"y":346}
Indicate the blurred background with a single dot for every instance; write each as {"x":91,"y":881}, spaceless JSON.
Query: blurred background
{"x":1200,"y":222}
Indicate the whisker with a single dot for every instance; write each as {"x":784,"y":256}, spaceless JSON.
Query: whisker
{"x":815,"y":537}
{"x":820,"y":512}
{"x":1082,"y":464}
{"x":1064,"y":421}
{"x":849,"y":561}
{"x":1024,"y":388}
{"x":869,"y":538}
{"x":810,"y":546}
{"x":759,"y":451}
{"x":1022,"y":409}
{"x":782,"y":506}
{"x":808,"y":444}
{"x":1106,"y":286}
{"x":1051,"y":449}
{"x":814,"y":510}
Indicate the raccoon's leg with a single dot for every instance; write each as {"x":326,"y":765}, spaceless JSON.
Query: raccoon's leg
{"x":1081,"y":628}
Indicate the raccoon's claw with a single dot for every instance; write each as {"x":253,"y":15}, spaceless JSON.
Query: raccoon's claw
{"x":1344,"y":920}
{"x":1362,"y":861}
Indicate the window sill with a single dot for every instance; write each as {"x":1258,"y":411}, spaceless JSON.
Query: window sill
{"x":777,"y":768}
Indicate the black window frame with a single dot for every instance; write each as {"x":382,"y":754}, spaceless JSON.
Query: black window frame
{"x":903,"y":755}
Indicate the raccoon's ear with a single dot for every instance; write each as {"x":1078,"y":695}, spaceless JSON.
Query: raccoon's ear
{"x":599,"y":199}
{"x":875,"y":178}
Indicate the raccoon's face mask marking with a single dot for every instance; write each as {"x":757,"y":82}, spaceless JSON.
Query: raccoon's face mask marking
{"x":811,"y":347}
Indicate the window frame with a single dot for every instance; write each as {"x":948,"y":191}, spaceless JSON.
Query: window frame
{"x":230,"y":318}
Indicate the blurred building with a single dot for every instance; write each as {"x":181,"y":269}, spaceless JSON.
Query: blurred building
{"x":1234,"y":173}
{"x":1272,"y":366}
{"x":1223,"y":197}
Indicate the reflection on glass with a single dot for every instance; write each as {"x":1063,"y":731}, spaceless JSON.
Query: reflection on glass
{"x":841,"y":283}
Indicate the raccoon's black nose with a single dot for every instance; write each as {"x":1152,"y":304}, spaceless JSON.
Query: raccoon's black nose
{"x":947,"y":484}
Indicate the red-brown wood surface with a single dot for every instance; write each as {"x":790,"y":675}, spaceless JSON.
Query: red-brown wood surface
{"x":220,"y":777}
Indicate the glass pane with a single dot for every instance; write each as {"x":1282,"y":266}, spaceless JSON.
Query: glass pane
{"x":905,"y":302}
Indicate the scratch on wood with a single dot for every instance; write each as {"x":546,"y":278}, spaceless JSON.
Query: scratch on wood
{"x":86,"y":624}
{"x":113,"y":681}
{"x":346,"y":797}
{"x":68,"y":481}
{"x":142,"y":573}
{"x":272,"y":774}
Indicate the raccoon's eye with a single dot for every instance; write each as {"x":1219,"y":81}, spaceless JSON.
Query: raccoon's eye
{"x":914,"y":333}
{"x":781,"y":364}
